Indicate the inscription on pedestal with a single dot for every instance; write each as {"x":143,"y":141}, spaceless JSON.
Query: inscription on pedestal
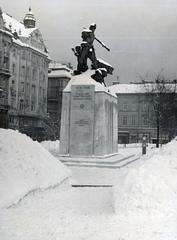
{"x":82,"y":120}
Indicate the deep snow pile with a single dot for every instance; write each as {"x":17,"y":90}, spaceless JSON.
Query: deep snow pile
{"x":151,"y":186}
{"x":25,"y":166}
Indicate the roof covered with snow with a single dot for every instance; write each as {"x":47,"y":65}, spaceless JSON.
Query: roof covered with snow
{"x":57,"y":66}
{"x":134,"y":88}
{"x":127,"y":88}
{"x":57,"y":69}
{"x":24,"y":34}
{"x":15,"y":26}
{"x":59,"y":73}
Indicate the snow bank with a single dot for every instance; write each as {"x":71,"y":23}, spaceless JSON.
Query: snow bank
{"x":150,"y":187}
{"x":25,"y":166}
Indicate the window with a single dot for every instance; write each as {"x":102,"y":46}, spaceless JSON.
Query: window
{"x":6,"y":62}
{"x":133,"y":120}
{"x":33,"y":59}
{"x":29,"y":56}
{"x":125,"y":107}
{"x":22,"y":86}
{"x":133,"y":138}
{"x":145,"y":106}
{"x":23,"y":54}
{"x":28,"y":72}
{"x":145,"y":120}
{"x":13,"y":69}
{"x":27,"y":103}
{"x":23,"y":71}
{"x":32,"y":106}
{"x":27,"y":88}
{"x":43,"y":93}
{"x":53,"y":92}
{"x":14,"y":52}
{"x":0,"y":56}
{"x":133,"y":107}
{"x":33,"y":89}
{"x":40,"y":91}
{"x":21,"y":104}
{"x":34,"y":75}
{"x":5,"y":49}
{"x":11,"y":119}
{"x":124,"y":122}
{"x":40,"y":76}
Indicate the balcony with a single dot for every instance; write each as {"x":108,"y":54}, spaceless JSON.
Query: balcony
{"x":4,"y":103}
{"x":5,"y":71}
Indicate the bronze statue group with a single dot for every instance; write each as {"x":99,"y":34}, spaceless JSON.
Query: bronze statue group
{"x":86,"y":51}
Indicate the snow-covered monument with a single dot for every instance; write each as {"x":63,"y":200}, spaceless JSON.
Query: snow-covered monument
{"x":89,"y":109}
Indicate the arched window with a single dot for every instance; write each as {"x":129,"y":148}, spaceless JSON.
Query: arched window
{"x":21,"y":104}
{"x":23,"y":71}
{"x":32,"y":105}
{"x":13,"y":69}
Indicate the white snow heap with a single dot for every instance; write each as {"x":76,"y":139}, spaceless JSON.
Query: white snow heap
{"x":25,"y":166}
{"x":151,"y":186}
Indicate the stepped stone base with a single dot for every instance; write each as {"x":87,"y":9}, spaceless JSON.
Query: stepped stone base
{"x":112,"y":162}
{"x":89,"y":119}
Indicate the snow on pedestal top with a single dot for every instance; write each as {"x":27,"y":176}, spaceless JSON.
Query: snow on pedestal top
{"x":26,"y":166}
{"x":85,"y":79}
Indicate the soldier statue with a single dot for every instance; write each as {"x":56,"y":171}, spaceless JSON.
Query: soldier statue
{"x":86,"y":50}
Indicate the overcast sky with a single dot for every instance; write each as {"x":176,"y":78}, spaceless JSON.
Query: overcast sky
{"x":142,"y":34}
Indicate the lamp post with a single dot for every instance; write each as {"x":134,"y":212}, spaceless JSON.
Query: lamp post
{"x":144,"y":145}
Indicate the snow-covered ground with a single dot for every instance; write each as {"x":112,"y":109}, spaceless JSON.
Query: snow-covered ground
{"x":141,"y":205}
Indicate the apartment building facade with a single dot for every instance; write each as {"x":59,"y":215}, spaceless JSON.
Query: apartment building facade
{"x":28,"y":72}
{"x":135,"y":114}
{"x":5,"y":44}
{"x":58,"y":77}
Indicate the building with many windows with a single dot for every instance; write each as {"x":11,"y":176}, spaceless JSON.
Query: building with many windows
{"x":135,"y":113}
{"x":58,"y":77}
{"x":5,"y":44}
{"x":27,"y":72}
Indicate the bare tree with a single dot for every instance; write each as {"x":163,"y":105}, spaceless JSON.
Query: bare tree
{"x":163,"y":99}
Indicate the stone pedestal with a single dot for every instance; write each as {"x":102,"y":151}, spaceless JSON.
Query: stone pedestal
{"x":89,"y":119}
